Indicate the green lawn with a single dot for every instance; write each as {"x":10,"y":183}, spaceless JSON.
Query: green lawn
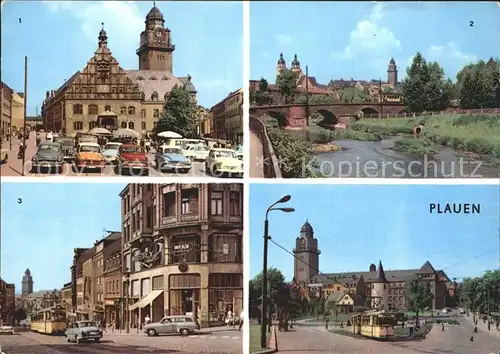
{"x":255,"y":339}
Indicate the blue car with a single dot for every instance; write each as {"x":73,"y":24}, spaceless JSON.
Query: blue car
{"x":172,"y":159}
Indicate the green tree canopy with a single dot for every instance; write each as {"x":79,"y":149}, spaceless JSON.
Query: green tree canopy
{"x":179,"y":114}
{"x":478,"y":85}
{"x":287,"y":84}
{"x":482,"y":294}
{"x":419,"y":295}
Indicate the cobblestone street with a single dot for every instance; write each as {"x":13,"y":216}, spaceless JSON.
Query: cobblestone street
{"x":215,"y":342}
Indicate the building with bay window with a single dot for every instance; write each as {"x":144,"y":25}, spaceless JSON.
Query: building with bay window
{"x":182,"y":250}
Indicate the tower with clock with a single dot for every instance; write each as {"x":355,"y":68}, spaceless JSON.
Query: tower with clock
{"x":380,"y":290}
{"x":306,"y":262}
{"x":156,"y":48}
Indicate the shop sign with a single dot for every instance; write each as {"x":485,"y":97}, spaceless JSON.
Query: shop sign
{"x":180,"y":249}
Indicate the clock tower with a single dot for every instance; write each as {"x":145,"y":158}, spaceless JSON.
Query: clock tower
{"x":306,"y":263}
{"x":156,"y":49}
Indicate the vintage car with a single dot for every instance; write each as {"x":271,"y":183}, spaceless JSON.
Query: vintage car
{"x":239,"y":152}
{"x":183,"y":325}
{"x":49,"y":155}
{"x":198,"y":152}
{"x":4,"y":156}
{"x":89,"y":155}
{"x":6,"y":329}
{"x":223,"y":161}
{"x":67,"y":145}
{"x":83,"y":331}
{"x":110,"y":152}
{"x":172,"y":159}
{"x":133,"y":158}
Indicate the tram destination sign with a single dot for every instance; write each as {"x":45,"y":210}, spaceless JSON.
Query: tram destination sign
{"x":181,"y":249}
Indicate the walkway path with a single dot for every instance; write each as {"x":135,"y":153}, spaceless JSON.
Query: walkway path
{"x":256,"y":157}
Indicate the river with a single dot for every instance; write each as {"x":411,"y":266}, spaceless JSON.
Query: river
{"x":377,"y":159}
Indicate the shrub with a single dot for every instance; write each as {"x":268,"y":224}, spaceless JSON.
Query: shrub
{"x":420,"y":146}
{"x":478,"y":145}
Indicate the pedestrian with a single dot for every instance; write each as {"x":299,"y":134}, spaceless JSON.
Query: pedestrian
{"x":147,"y":319}
{"x":326,"y":324}
{"x":442,"y":327}
{"x":342,"y":324}
{"x":475,"y":329}
{"x":241,"y":320}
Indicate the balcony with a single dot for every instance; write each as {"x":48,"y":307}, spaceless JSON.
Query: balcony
{"x":186,"y":218}
{"x":141,"y":238}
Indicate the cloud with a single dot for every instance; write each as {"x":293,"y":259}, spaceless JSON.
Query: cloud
{"x":370,"y":37}
{"x":449,"y":51}
{"x":283,"y":39}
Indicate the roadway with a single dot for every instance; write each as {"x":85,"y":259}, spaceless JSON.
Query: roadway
{"x":14,"y":167}
{"x":219,"y":341}
{"x":256,"y":157}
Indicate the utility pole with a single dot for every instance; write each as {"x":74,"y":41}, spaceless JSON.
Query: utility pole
{"x":25,"y":110}
{"x":307,"y":95}
{"x":263,"y":314}
{"x":270,"y":308}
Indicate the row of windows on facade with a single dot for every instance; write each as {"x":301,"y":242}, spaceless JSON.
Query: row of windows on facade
{"x":154,"y":96}
{"x":130,"y":125}
{"x":93,"y":109}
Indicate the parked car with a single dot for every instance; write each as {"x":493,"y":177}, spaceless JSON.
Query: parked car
{"x":83,"y":331}
{"x":89,"y":155}
{"x":6,"y":329}
{"x":132,"y":158}
{"x":49,"y":155}
{"x":4,"y":156}
{"x":67,"y":146}
{"x":183,"y":325}
{"x":197,"y":152}
{"x":461,"y":310}
{"x":172,"y":159}
{"x":110,"y":152}
{"x":239,"y":152}
{"x":223,"y":161}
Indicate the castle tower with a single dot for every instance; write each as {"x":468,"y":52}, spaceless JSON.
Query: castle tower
{"x":155,"y":52}
{"x":27,"y":283}
{"x":281,"y":65}
{"x":296,"y":64}
{"x":306,"y":263}
{"x":392,"y":73}
{"x":103,"y":38}
{"x":380,"y":291}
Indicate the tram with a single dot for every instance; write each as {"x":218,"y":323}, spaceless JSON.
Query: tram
{"x":374,"y":324}
{"x":50,"y":320}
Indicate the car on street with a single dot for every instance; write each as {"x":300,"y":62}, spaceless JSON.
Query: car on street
{"x":89,"y":156}
{"x":172,"y":159}
{"x":67,"y":145}
{"x":4,"y":156}
{"x":198,"y":152}
{"x":110,"y":152}
{"x":83,"y":331}
{"x":239,"y":152}
{"x":461,"y":310}
{"x":183,"y":325}
{"x":223,"y":161}
{"x":49,"y":155}
{"x":133,"y":158}
{"x":446,"y":310}
{"x":6,"y":329}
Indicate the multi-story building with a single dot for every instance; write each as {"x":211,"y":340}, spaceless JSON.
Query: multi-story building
{"x":6,"y":108}
{"x":182,"y":250}
{"x":27,"y":283}
{"x":81,"y":283}
{"x":105,"y":95}
{"x":205,"y":121}
{"x":228,"y":117}
{"x":17,"y":110}
{"x":112,"y":273}
{"x":40,"y":300}
{"x":306,"y":273}
{"x":7,"y":301}
{"x":66,"y":298}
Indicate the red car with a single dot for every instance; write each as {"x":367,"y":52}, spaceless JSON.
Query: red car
{"x":133,"y":158}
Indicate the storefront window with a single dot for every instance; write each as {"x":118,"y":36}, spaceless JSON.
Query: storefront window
{"x":224,"y":248}
{"x":145,"y":287}
{"x":158,"y":283}
{"x":225,"y":292}
{"x":184,"y":294}
{"x":136,"y":288}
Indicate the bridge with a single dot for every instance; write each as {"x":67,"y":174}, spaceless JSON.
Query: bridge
{"x":295,"y":115}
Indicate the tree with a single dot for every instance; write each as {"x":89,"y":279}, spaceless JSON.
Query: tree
{"x":478,"y":85}
{"x":263,"y":85}
{"x":179,"y":114}
{"x":419,"y":295}
{"x":482,"y":294}
{"x":287,"y":84}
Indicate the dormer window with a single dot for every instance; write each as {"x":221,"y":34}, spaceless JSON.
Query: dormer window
{"x":152,"y":78}
{"x":154,"y":97}
{"x":143,"y":96}
{"x":165,"y":78}
{"x":140,"y":78}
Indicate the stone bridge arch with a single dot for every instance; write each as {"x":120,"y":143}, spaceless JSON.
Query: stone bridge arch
{"x":369,"y":110}
{"x":275,"y":118}
{"x":329,"y":120}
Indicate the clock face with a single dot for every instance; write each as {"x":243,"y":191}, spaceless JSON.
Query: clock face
{"x":303,"y":242}
{"x":158,"y":34}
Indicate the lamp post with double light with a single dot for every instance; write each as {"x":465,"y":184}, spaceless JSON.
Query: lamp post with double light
{"x":263,"y":314}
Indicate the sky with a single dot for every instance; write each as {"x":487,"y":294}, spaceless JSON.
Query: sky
{"x":52,"y":219}
{"x":357,"y":39}
{"x":358,"y":225}
{"x":60,"y":37}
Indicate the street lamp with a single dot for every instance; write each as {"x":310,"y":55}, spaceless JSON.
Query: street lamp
{"x":127,"y":283}
{"x":284,"y":199}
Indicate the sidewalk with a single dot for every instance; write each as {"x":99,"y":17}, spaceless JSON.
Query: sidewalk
{"x":483,"y":327}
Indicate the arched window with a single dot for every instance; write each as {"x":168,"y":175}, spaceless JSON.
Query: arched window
{"x":77,"y":125}
{"x":131,"y":110}
{"x":93,"y":109}
{"x":107,"y":108}
{"x":154,"y":96}
{"x":77,"y":109}
{"x":143,"y":96}
{"x":92,"y":125}
{"x":123,"y":110}
{"x":124,"y":125}
{"x":131,"y":125}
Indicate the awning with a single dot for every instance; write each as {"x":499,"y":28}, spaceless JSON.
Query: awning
{"x":146,"y":300}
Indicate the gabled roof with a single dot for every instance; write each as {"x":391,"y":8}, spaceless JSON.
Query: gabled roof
{"x":427,"y":268}
{"x":380,"y":277}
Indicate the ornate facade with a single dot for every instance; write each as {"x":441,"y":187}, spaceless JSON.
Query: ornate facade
{"x":7,"y":300}
{"x":105,"y":95}
{"x":182,"y":244}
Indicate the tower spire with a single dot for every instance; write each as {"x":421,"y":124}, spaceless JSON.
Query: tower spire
{"x":154,"y":3}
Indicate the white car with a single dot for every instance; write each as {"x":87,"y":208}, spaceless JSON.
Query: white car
{"x":197,"y":152}
{"x":223,"y":161}
{"x":110,"y":152}
{"x":6,"y":329}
